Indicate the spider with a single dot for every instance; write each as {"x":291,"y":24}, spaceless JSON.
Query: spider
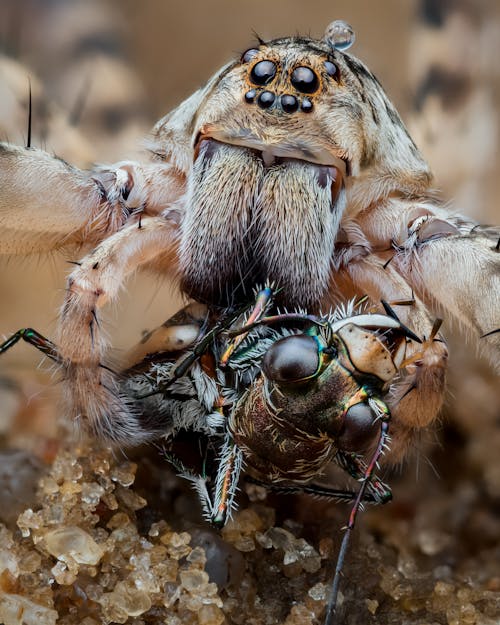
{"x":290,"y":165}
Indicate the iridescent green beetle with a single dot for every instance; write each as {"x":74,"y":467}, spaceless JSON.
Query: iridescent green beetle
{"x":293,"y":393}
{"x":285,"y":395}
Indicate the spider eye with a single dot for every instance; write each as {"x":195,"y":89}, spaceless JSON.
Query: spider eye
{"x":248,"y":55}
{"x":359,"y":428}
{"x":304,"y":80}
{"x":263,"y":72}
{"x":332,"y":70}
{"x":292,"y":359}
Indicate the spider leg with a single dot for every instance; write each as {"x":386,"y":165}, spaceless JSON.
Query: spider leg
{"x":459,"y":273}
{"x":450,"y":262}
{"x":93,"y":391}
{"x":416,"y":396}
{"x":46,"y":204}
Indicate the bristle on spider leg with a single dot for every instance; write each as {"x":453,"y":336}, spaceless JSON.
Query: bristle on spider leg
{"x":30,"y":114}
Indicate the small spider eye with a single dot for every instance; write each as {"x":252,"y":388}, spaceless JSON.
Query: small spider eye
{"x":359,"y":428}
{"x":292,"y":359}
{"x":263,"y":72}
{"x":332,"y":70}
{"x":304,"y":80}
{"x":248,"y":55}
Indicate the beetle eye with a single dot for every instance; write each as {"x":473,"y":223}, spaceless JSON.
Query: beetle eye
{"x":292,"y":359}
{"x":304,"y":80}
{"x":263,"y":72}
{"x":332,"y":70}
{"x":248,"y":55}
{"x":359,"y":428}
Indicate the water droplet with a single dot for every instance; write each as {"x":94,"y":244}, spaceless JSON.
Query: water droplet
{"x":340,"y":34}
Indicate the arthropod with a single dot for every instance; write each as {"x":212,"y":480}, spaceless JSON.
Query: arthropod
{"x":291,"y":165}
{"x":283,"y":395}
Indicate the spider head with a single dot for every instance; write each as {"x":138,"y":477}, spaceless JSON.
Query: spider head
{"x":284,"y":142}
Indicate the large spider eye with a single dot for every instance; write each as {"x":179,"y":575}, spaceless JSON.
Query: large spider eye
{"x":359,"y":428}
{"x":263,"y":72}
{"x":332,"y":70}
{"x":292,"y":359}
{"x":304,"y":80}
{"x":248,"y":55}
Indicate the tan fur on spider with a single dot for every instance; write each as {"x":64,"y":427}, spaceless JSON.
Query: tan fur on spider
{"x":328,"y":199}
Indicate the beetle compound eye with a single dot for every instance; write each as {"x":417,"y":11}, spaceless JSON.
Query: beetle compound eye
{"x":292,"y":359}
{"x":332,"y":70}
{"x":248,"y":55}
{"x":359,"y":428}
{"x":263,"y":72}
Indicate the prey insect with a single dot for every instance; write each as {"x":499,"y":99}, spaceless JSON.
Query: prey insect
{"x":280,"y":396}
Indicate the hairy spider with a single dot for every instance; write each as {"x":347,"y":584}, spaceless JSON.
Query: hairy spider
{"x":289,"y":165}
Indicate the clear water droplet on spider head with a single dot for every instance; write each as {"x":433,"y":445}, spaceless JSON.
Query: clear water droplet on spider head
{"x":340,"y":35}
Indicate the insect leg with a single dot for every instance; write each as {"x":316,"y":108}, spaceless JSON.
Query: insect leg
{"x":217,"y":509}
{"x":33,"y":338}
{"x":226,"y":484}
{"x":382,"y":443}
{"x":316,"y":490}
{"x":356,"y":467}
{"x":263,"y":299}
